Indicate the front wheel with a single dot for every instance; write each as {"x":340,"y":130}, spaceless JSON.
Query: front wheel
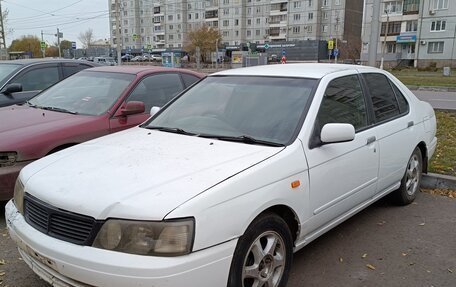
{"x":263,"y":254}
{"x":411,"y":181}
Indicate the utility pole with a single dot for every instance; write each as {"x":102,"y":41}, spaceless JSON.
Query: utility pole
{"x":337,"y":35}
{"x":386,"y":35}
{"x":59,"y":35}
{"x":118,"y":40}
{"x":373,"y":41}
{"x":216,"y":54}
{"x":43,"y":50}
{"x":2,"y":29}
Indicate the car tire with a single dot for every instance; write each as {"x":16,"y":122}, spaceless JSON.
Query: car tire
{"x":263,"y":254}
{"x":411,"y":180}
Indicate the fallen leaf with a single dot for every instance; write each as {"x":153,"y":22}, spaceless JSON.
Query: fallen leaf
{"x":364,"y":255}
{"x":20,"y":258}
{"x":381,"y":222}
{"x":370,"y":266}
{"x":341,"y":259}
{"x":412,"y":263}
{"x":404,"y":254}
{"x":449,"y":270}
{"x":2,"y":273}
{"x":428,"y":271}
{"x":422,"y":224}
{"x":2,"y":262}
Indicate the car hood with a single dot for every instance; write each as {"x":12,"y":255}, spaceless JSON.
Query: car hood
{"x":20,"y":124}
{"x":138,"y":173}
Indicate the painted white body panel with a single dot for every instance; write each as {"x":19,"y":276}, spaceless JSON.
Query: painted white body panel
{"x":152,"y":175}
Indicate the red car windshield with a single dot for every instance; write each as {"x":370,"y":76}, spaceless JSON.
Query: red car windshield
{"x":87,"y":93}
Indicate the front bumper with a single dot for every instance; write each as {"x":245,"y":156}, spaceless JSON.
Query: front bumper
{"x":8,"y":176}
{"x":65,"y":264}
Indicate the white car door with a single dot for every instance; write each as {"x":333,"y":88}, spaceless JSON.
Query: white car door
{"x":395,"y":128}
{"x":342,"y":175}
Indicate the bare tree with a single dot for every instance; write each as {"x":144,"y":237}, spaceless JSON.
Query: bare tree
{"x":86,"y":37}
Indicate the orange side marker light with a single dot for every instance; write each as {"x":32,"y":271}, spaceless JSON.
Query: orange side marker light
{"x":295,"y":184}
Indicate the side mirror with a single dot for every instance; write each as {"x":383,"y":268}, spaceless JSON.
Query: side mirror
{"x":154,"y":110}
{"x":12,"y":88}
{"x":133,"y":107}
{"x":337,"y":133}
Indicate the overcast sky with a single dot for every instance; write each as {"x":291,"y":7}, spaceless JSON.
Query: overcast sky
{"x":29,"y":17}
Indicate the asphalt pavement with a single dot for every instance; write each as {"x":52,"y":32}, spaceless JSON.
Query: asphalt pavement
{"x":384,"y":245}
{"x":438,"y":99}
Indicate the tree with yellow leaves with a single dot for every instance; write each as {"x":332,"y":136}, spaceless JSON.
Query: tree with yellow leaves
{"x":205,"y":38}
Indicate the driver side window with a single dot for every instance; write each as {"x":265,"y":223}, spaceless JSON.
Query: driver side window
{"x":38,"y":78}
{"x":343,"y":102}
{"x":156,"y":90}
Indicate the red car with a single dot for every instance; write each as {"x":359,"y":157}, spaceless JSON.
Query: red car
{"x":89,"y":104}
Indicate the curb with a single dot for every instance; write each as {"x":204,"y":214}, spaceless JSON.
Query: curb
{"x":434,"y":181}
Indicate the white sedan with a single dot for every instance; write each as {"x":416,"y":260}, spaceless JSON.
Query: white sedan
{"x":224,"y":183}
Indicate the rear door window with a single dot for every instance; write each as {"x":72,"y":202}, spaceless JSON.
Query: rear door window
{"x":189,"y":79}
{"x":383,"y":98}
{"x":72,"y":68}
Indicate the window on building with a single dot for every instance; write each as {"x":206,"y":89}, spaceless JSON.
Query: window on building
{"x":170,"y":37}
{"x":337,"y":2}
{"x":394,"y":28}
{"x":325,"y":15}
{"x":257,"y":32}
{"x":236,"y":33}
{"x":325,"y":2}
{"x":309,"y":28}
{"x":392,"y":7}
{"x":435,"y":47}
{"x":391,"y":47}
{"x":325,"y":29}
{"x":226,"y":23}
{"x":170,"y":17}
{"x":311,"y":16}
{"x":310,"y":3}
{"x":296,"y":29}
{"x":258,"y":21}
{"x":226,"y":11}
{"x":411,"y":26}
{"x":440,"y":4}
{"x":236,"y":22}
{"x":189,"y":16}
{"x":249,"y":22}
{"x":297,"y":4}
{"x":249,"y":33}
{"x":437,"y":26}
{"x":411,"y":7}
{"x":297,"y":17}
{"x":226,"y":33}
{"x":171,"y":27}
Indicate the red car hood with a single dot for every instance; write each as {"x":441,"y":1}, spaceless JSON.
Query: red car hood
{"x":27,"y":130}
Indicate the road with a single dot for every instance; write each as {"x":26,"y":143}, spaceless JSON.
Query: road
{"x":384,"y":245}
{"x":438,"y":100}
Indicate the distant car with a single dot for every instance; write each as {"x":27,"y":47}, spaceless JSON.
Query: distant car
{"x":104,"y":61}
{"x":126,"y":57}
{"x":20,"y":80}
{"x":155,"y":58}
{"x":89,"y":104}
{"x":227,"y":181}
{"x":137,"y":59}
{"x":83,"y":59}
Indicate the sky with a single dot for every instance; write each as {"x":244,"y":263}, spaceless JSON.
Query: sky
{"x":30,"y":17}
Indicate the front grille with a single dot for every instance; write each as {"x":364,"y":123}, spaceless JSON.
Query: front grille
{"x":58,"y":223}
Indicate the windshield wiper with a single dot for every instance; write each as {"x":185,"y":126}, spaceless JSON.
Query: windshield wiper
{"x":171,"y":130}
{"x":56,"y":109}
{"x":243,"y":139}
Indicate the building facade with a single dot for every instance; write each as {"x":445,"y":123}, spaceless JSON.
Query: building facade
{"x":145,"y":24}
{"x":417,"y":33}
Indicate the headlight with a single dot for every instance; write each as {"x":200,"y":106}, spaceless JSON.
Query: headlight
{"x":7,"y":158}
{"x":19,"y":195}
{"x":164,"y":238}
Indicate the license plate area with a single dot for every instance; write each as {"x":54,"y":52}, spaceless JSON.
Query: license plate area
{"x":41,"y":258}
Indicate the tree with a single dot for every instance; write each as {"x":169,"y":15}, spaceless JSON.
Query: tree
{"x":27,"y":44}
{"x":65,"y":45}
{"x":205,"y":38}
{"x":86,"y":38}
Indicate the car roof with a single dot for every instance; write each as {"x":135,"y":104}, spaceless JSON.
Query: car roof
{"x":41,"y":60}
{"x":137,"y":70}
{"x":302,"y":70}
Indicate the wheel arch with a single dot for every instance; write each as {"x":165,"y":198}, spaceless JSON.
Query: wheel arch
{"x":423,"y":148}
{"x":287,"y":214}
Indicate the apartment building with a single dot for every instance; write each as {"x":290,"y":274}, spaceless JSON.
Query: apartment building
{"x":165,"y":23}
{"x":413,"y":33}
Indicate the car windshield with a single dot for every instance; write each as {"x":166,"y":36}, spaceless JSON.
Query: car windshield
{"x":87,"y":92}
{"x":243,"y":108}
{"x":6,"y":70}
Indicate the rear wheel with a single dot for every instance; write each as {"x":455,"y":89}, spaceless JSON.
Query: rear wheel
{"x":263,"y":254}
{"x":411,"y":181}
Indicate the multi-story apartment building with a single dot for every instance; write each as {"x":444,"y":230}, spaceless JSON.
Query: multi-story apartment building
{"x":413,"y":32}
{"x":165,"y":23}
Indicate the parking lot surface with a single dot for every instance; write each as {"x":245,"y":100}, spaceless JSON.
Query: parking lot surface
{"x":384,"y":245}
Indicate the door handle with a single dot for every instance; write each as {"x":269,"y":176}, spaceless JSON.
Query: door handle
{"x":410,"y":124}
{"x":371,"y":140}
